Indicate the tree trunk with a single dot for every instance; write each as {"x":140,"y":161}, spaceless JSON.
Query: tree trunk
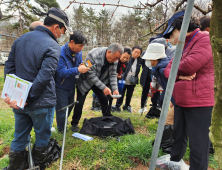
{"x":216,"y":43}
{"x":20,"y":22}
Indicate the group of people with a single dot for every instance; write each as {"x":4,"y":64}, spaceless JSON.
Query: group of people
{"x":57,"y":71}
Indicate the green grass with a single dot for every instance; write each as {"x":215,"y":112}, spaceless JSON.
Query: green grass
{"x":100,"y":153}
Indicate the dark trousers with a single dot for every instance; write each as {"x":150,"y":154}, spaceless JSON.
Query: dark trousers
{"x":155,"y":99}
{"x":145,"y":92}
{"x":193,"y":123}
{"x":129,"y":94}
{"x":103,"y":99}
{"x":64,"y":98}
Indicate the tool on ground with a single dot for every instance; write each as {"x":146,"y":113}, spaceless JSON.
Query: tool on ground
{"x":64,"y":135}
{"x":31,"y":163}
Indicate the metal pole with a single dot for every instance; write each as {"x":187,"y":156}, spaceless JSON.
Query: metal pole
{"x":64,"y":138}
{"x":171,"y":82}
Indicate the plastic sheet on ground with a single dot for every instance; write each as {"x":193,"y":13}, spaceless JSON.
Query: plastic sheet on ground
{"x":164,"y":163}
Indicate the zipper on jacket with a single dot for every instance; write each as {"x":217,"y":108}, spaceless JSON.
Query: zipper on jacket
{"x":62,"y":81}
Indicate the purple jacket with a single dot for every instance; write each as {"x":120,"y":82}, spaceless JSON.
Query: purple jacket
{"x":197,"y":58}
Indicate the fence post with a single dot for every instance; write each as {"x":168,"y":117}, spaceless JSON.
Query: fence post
{"x":171,"y":82}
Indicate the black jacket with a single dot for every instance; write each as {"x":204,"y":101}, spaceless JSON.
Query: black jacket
{"x":34,"y":57}
{"x":145,"y":75}
{"x":139,"y":63}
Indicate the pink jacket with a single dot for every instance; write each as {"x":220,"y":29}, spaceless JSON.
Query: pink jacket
{"x":197,"y":58}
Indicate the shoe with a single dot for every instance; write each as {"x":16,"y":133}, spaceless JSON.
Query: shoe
{"x":124,"y":107}
{"x":17,"y":160}
{"x":75,"y":128}
{"x":98,"y":109}
{"x":129,"y":109}
{"x":153,"y":112}
{"x":143,"y":110}
{"x":114,"y":108}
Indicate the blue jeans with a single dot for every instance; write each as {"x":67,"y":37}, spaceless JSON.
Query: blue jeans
{"x":40,"y":119}
{"x":64,"y":98}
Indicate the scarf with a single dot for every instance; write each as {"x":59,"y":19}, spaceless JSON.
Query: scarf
{"x":122,"y":65}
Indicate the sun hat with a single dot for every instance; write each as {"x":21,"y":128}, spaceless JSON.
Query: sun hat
{"x":154,"y":51}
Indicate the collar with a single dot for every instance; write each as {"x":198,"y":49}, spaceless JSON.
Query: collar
{"x":44,"y":29}
{"x":188,"y":37}
{"x":69,"y":51}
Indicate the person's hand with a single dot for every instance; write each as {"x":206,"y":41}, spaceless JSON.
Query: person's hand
{"x":83,"y":69}
{"x":107,"y":91}
{"x":12,"y":104}
{"x":189,"y":78}
{"x":171,"y":104}
{"x":7,"y":100}
{"x":119,"y":76}
{"x":116,"y":92}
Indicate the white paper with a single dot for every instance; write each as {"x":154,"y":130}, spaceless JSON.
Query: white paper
{"x":81,"y":136}
{"x":16,"y":89}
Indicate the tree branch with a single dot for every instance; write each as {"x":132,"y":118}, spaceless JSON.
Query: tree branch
{"x":114,"y":11}
{"x":117,"y":5}
{"x":203,"y":11}
{"x":197,"y":7}
{"x":181,"y":3}
{"x":154,"y":4}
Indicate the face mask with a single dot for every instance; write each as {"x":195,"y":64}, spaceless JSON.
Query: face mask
{"x":61,"y":38}
{"x":148,"y":63}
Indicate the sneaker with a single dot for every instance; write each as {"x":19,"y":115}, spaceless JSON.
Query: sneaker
{"x":124,"y":107}
{"x":153,"y":112}
{"x":129,"y":109}
{"x":98,"y":109}
{"x":75,"y":128}
{"x":114,"y":108}
{"x":118,"y":109}
{"x":143,"y":110}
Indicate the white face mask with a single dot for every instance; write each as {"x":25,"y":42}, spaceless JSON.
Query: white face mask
{"x":148,"y":63}
{"x":61,"y":38}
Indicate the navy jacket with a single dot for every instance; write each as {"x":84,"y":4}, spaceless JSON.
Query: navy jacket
{"x":67,"y":68}
{"x":34,"y":57}
{"x":158,"y":72}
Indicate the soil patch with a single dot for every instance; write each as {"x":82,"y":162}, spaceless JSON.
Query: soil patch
{"x":6,"y":150}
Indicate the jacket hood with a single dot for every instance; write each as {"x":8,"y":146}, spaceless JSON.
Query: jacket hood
{"x":161,"y":41}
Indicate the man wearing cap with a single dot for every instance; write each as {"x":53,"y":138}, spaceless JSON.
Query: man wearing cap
{"x":34,"y":57}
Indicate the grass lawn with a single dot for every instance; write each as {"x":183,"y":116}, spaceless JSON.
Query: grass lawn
{"x":131,"y":152}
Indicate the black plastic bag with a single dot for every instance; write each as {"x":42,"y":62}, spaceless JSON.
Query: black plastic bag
{"x":167,"y":139}
{"x":106,"y":126}
{"x":44,"y":156}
